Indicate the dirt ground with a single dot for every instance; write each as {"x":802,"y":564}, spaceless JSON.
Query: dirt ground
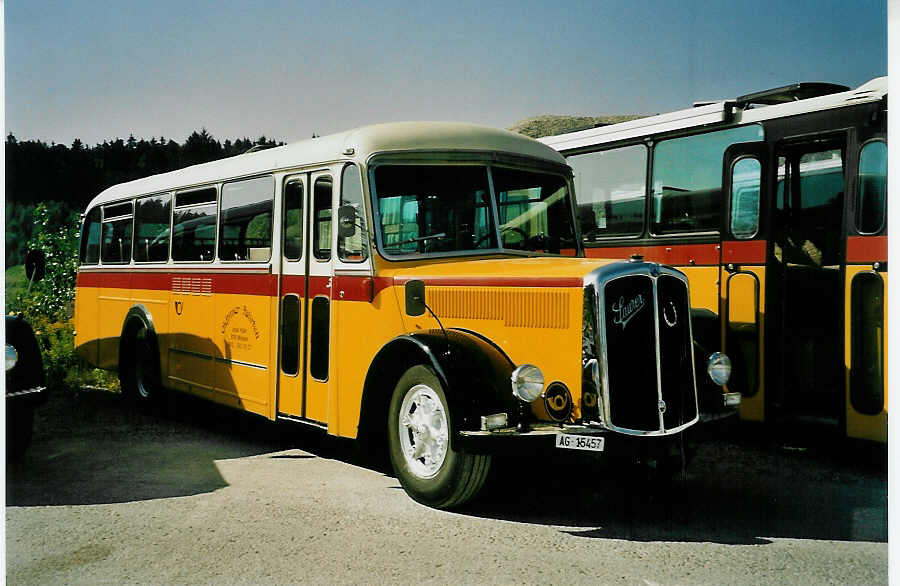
{"x":197,"y":494}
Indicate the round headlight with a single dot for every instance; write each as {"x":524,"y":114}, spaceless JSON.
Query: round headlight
{"x":719,"y":368}
{"x":11,"y":357}
{"x":527,"y":382}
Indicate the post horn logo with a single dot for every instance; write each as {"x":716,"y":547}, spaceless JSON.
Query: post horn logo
{"x":179,"y":307}
{"x":670,"y":314}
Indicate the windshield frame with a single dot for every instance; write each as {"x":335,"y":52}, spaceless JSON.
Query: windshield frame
{"x":476,"y":158}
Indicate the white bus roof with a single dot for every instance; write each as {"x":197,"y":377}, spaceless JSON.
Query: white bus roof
{"x":727,"y":112}
{"x":364,"y":142}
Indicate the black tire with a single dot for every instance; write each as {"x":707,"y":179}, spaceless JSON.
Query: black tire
{"x":449,"y":479}
{"x":139,"y":370}
{"x":19,"y":426}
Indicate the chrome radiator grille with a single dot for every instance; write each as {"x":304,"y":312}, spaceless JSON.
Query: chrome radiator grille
{"x":643,"y":347}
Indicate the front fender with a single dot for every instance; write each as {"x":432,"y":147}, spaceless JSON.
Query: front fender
{"x":474,"y":372}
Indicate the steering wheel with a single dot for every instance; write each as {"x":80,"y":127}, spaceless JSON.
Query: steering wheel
{"x":502,"y":230}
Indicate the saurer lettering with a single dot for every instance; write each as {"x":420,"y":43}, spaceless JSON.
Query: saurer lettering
{"x":625,"y":311}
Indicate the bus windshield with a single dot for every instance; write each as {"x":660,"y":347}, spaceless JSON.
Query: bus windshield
{"x":433,"y":209}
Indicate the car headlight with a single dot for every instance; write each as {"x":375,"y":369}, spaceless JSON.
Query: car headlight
{"x":11,"y":357}
{"x":527,"y":382}
{"x":718,"y":366}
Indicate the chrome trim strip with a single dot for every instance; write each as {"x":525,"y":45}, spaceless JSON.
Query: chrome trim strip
{"x":217,"y":359}
{"x":659,"y":392}
{"x":242,"y":363}
{"x":295,"y":419}
{"x":31,"y":391}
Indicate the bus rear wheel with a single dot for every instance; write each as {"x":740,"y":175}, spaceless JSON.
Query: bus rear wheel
{"x":430,"y":470}
{"x":139,"y":370}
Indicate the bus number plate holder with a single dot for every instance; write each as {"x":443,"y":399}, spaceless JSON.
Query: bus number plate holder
{"x":590,"y":443}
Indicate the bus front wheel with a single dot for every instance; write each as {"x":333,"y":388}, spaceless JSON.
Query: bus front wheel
{"x":427,"y":466}
{"x":139,"y":372}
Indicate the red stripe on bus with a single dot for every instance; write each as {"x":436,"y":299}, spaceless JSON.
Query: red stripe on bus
{"x":744,"y":251}
{"x":319,"y":286}
{"x":867,"y":249}
{"x":236,"y":284}
{"x":676,"y":254}
{"x":495,"y":281}
{"x":293,"y":285}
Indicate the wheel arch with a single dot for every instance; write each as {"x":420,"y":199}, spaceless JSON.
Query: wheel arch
{"x":474,"y":371}
{"x":138,"y":317}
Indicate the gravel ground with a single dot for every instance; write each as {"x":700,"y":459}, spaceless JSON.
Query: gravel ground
{"x":197,"y":494}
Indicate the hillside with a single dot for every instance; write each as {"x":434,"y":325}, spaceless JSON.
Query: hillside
{"x":552,"y":124}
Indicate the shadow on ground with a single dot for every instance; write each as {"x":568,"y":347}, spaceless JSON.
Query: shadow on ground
{"x":738,"y":490}
{"x":92,"y":447}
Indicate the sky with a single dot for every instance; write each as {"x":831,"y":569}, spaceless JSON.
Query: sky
{"x":99,"y":70}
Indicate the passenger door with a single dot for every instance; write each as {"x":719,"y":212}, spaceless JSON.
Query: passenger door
{"x":320,"y":265}
{"x":804,"y":325}
{"x":743,"y":272}
{"x":293,"y":296}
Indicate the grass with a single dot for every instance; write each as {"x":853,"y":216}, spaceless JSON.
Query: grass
{"x":16,"y":283}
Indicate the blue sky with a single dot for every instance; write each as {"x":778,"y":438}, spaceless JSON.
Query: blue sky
{"x":97,"y":70}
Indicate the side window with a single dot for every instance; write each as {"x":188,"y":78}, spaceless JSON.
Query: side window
{"x":610,"y":187}
{"x":353,"y":237}
{"x":687,"y":180}
{"x":151,"y":228}
{"x":194,"y":225}
{"x":871,"y":193}
{"x":322,"y":218}
{"x":115,"y":246}
{"x":245,"y":220}
{"x":292,"y":220}
{"x":90,"y":238}
{"x":745,"y":179}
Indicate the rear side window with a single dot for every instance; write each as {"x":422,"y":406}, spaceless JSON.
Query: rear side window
{"x":151,"y":228}
{"x":115,"y":246}
{"x":90,"y":238}
{"x":245,"y":220}
{"x":194,"y":225}
{"x":687,"y":180}
{"x":611,"y":189}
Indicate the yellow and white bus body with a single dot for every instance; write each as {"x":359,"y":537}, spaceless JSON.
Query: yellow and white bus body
{"x":774,"y":205}
{"x":294,"y":282}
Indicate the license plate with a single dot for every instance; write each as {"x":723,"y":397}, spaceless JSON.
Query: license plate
{"x":591,"y":443}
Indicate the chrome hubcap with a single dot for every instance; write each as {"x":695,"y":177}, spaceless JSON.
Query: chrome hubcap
{"x":424,"y":433}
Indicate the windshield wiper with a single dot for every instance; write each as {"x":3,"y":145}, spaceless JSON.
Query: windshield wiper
{"x":418,"y":239}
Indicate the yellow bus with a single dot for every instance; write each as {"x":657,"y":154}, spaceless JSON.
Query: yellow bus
{"x":774,"y":204}
{"x":418,"y":286}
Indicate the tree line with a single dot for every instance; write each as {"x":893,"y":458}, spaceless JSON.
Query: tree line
{"x":66,"y":178}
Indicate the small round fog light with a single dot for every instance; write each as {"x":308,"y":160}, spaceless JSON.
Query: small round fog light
{"x":718,"y":366}
{"x":11,"y":357}
{"x":527,"y":382}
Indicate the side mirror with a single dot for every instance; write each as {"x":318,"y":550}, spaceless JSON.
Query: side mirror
{"x":415,"y":297}
{"x":35,"y":265}
{"x":346,"y":221}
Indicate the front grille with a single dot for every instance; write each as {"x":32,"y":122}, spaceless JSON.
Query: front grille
{"x":675,"y":352}
{"x":630,"y":353}
{"x":644,"y":348}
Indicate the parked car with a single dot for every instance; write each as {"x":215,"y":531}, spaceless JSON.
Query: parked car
{"x":25,"y":388}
